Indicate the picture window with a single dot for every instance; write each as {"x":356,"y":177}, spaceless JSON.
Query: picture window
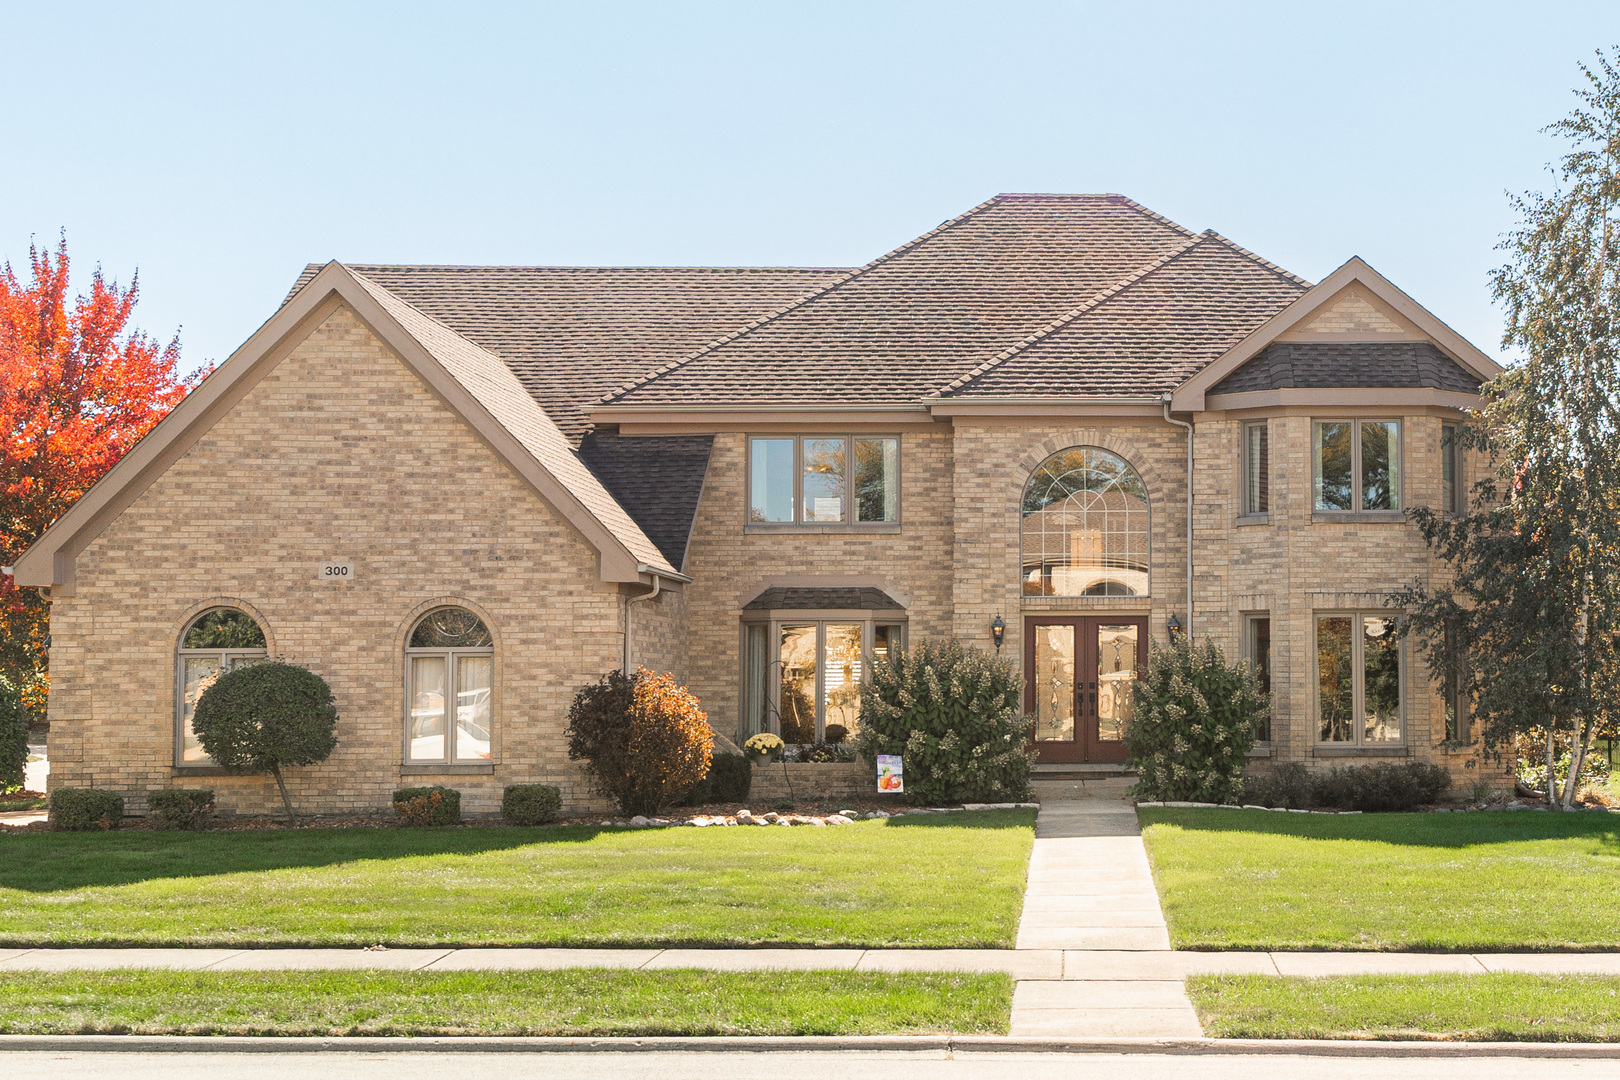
{"x":1356,"y":465}
{"x":824,"y":480}
{"x":1360,"y":684}
{"x":450,"y":668}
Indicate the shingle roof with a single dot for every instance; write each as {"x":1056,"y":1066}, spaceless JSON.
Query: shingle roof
{"x":1322,"y":364}
{"x":929,"y":312}
{"x":1147,"y":334}
{"x":573,"y":333}
{"x":658,"y":479}
{"x":493,"y":384}
{"x":823,"y":598}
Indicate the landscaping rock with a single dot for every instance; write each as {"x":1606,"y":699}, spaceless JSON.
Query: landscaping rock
{"x":784,"y":821}
{"x":817,"y":821}
{"x":744,"y":815}
{"x":639,"y":821}
{"x":838,"y":819}
{"x":772,"y":818}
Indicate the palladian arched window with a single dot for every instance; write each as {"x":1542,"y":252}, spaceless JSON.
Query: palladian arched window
{"x":217,"y":641}
{"x":450,"y":668}
{"x":1085,"y":526}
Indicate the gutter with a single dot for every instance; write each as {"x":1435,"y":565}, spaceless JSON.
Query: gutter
{"x":1165,"y":401}
{"x":628,"y":623}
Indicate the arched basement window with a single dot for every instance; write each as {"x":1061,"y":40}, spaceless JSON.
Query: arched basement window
{"x":217,"y":641}
{"x":1085,"y":526}
{"x":450,"y":667}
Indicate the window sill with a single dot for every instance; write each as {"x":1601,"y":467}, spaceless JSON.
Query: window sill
{"x":1363,"y":751}
{"x":806,"y":530}
{"x":1358,"y":517}
{"x":1263,"y":750}
{"x":197,"y":770}
{"x":1253,"y":519}
{"x":430,"y":769}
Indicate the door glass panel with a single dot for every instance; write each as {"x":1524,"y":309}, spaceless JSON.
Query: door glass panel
{"x":841,"y":676}
{"x":1335,"y":687}
{"x":797,"y":702}
{"x":1381,"y":688}
{"x":201,"y":672}
{"x":824,"y":479}
{"x":1054,"y":683}
{"x":474,"y":678}
{"x":1116,"y":679}
{"x":427,"y":729}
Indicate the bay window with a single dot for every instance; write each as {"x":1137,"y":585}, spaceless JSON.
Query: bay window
{"x":1359,"y":680}
{"x":802,"y":676}
{"x":823,"y":480}
{"x":1356,"y":465}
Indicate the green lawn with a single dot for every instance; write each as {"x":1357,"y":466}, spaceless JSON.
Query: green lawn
{"x":1252,"y":879}
{"x":578,"y":1002}
{"x":1487,"y":1008}
{"x":925,"y":880}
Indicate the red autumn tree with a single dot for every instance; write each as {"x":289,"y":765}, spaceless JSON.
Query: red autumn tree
{"x":78,"y":388}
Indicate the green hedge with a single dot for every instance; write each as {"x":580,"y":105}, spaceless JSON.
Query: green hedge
{"x":84,"y":809}
{"x":427,"y":805}
{"x":530,"y":804}
{"x":13,"y":736}
{"x":179,"y":808}
{"x":729,"y":779}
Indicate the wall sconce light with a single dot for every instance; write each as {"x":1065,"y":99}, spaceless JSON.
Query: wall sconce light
{"x":998,"y":631}
{"x":1173,"y":625}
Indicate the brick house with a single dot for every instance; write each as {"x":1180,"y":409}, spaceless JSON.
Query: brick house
{"x":1060,"y":420}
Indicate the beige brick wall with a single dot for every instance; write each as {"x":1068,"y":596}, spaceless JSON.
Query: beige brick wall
{"x":731,"y":566}
{"x":338,"y":453}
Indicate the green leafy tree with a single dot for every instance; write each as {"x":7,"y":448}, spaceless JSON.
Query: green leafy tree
{"x":955,"y":716}
{"x":1528,"y":626}
{"x":265,"y":717}
{"x":1195,"y":720}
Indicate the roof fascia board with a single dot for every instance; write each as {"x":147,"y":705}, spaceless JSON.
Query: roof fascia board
{"x":1047,"y":406}
{"x":1393,"y":397}
{"x":1189,"y":397}
{"x":49,"y":561}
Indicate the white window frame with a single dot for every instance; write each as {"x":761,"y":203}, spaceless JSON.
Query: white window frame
{"x":1358,"y":677}
{"x":1398,"y":460}
{"x":1246,"y":470}
{"x":772,"y":622}
{"x":452,"y":658}
{"x":227,"y":660}
{"x":850,"y":509}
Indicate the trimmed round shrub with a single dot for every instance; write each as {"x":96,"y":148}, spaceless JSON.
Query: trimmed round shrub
{"x":1289,"y":786}
{"x":643,"y":739}
{"x":13,"y":736}
{"x":85,"y":809}
{"x":955,"y":716}
{"x":179,"y":808}
{"x":531,"y":804}
{"x":1195,"y":720}
{"x":1386,"y":788}
{"x":265,"y":717}
{"x":435,"y":805}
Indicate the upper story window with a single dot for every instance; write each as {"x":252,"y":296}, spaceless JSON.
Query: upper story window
{"x":217,"y":641}
{"x":1357,"y":464}
{"x":1451,"y":488}
{"x":1256,"y":469}
{"x":1085,"y":526}
{"x":450,"y":670}
{"x":824,"y":480}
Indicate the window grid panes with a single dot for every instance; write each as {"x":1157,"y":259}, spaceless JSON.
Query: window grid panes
{"x":1359,"y":680}
{"x":824,"y":480}
{"x":1085,"y":527}
{"x":802,"y":677}
{"x":1356,"y":465}
{"x":450,"y":671}
{"x":215,"y":642}
{"x":1256,"y":469}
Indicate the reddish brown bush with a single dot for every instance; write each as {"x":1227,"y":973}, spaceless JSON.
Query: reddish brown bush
{"x":644,"y":740}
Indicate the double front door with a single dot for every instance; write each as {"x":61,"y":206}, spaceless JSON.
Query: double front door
{"x":1079,"y":679}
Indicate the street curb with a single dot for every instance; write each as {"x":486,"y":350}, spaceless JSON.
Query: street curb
{"x":983,"y":1044}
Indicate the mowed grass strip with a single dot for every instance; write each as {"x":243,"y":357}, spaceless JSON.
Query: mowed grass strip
{"x":574,"y":1002}
{"x":1253,"y":879}
{"x":927,"y":880}
{"x":1473,"y":1008}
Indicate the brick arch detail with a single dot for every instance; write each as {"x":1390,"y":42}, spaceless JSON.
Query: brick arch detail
{"x":236,"y":602}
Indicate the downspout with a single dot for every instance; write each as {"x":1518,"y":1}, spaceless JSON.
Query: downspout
{"x":1165,"y":401}
{"x":628,"y":625}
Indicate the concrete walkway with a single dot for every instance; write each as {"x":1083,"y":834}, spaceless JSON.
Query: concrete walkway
{"x":1091,"y":895}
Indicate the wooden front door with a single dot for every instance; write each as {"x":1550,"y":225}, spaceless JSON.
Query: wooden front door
{"x":1079,"y":674}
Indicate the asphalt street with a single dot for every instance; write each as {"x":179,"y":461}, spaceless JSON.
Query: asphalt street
{"x":782,"y":1065}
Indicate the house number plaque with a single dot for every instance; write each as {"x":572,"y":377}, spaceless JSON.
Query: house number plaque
{"x":335,"y":571}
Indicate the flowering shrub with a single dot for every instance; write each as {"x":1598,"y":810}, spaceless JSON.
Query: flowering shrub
{"x":1195,"y":720}
{"x":643,"y":739}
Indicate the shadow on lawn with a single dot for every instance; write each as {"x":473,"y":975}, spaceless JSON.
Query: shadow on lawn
{"x":1421,"y":830}
{"x":51,"y":862}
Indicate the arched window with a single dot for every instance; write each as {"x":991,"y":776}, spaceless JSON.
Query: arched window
{"x":1085,"y":526}
{"x":450,"y":667}
{"x":215,"y":642}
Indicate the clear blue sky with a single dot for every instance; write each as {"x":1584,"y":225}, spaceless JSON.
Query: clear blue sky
{"x":220,"y":147}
